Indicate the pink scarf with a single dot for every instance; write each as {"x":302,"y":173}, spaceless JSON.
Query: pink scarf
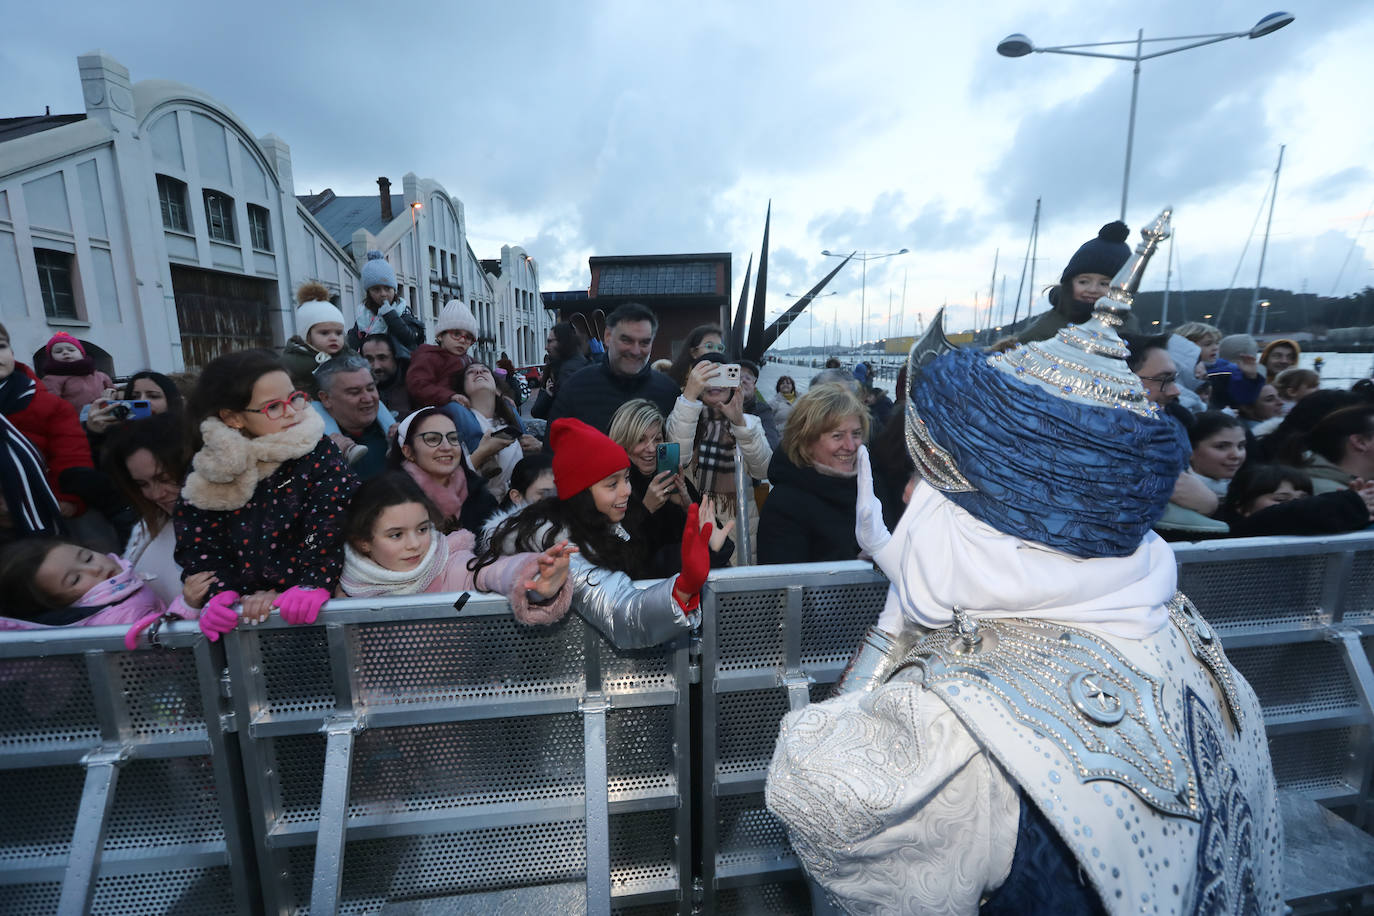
{"x":449,"y":496}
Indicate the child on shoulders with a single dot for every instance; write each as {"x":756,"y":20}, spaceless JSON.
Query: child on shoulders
{"x":70,"y":374}
{"x":320,"y":338}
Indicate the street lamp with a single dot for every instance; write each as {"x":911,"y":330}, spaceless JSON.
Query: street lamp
{"x":1264,"y":314}
{"x":864,"y":257}
{"x":415,"y":231}
{"x":1018,"y":45}
{"x":811,"y":325}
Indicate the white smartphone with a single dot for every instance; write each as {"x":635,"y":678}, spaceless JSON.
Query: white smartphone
{"x":727,"y":377}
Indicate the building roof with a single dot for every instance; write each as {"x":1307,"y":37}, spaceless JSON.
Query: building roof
{"x":343,"y":216}
{"x":660,"y":275}
{"x":14,"y":128}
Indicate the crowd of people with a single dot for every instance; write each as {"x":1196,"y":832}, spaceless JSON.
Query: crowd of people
{"x":363,"y":459}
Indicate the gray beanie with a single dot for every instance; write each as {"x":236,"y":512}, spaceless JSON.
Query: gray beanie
{"x":1234,"y":345}
{"x":377,"y":272}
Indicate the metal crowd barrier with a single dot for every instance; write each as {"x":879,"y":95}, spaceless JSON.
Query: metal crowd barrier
{"x":120,"y":790}
{"x":404,"y":750}
{"x":1296,"y":617}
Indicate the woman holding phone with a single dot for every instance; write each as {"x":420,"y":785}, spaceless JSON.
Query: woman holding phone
{"x":707,"y":422}
{"x":659,"y":494}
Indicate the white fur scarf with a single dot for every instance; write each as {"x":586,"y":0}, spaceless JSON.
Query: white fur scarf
{"x":230,"y":465}
{"x":363,"y":577}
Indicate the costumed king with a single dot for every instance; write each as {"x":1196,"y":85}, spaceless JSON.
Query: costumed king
{"x":1040,"y":722}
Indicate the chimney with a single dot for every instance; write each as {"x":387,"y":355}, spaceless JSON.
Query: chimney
{"x":384,"y":188}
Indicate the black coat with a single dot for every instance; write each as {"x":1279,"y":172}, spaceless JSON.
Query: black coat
{"x":595,"y":393}
{"x":660,"y":533}
{"x":808,"y":517}
{"x":1325,"y":513}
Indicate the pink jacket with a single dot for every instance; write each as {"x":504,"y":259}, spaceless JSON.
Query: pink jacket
{"x":506,"y":576}
{"x":124,"y":598}
{"x":78,"y":390}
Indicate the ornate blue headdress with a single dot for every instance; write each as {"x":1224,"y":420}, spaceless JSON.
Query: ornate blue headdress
{"x":1053,"y":442}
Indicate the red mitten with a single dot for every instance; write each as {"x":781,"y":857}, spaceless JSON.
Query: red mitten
{"x":696,"y":554}
{"x":219,"y":617}
{"x":301,"y":605}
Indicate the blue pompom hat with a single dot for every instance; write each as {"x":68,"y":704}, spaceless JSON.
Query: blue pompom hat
{"x":377,"y":272}
{"x":1103,"y":255}
{"x":1052,"y":442}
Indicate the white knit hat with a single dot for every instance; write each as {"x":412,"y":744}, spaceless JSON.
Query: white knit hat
{"x":315,"y":308}
{"x":456,"y":316}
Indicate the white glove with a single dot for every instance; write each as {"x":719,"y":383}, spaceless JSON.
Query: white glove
{"x":869,"y":529}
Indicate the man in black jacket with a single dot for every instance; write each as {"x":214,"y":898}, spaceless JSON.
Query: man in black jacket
{"x":595,"y":393}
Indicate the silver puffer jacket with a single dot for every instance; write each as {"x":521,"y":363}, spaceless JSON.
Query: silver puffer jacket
{"x":629,"y":616}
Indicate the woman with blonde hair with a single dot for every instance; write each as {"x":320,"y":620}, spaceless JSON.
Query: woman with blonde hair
{"x":809,"y":515}
{"x":659,"y":500}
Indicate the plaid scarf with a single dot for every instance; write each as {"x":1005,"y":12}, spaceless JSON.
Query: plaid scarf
{"x":715,"y":453}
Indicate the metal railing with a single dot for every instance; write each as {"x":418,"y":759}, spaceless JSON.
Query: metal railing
{"x":411,"y":748}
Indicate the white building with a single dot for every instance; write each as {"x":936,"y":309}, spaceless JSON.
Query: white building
{"x":158,"y":228}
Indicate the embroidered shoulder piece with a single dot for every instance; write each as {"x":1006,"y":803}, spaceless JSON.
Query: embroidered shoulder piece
{"x":1069,"y":687}
{"x":1206,"y":647}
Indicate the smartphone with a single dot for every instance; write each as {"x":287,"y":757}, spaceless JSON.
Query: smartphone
{"x":131,"y":410}
{"x":506,"y":432}
{"x":728,"y":377}
{"x":666,"y":458}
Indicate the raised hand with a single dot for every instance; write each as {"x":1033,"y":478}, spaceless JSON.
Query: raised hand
{"x":869,"y":528}
{"x":553,"y":570}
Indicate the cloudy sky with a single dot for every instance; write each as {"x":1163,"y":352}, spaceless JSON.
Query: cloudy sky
{"x":601,"y":128}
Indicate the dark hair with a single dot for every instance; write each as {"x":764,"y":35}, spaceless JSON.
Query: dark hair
{"x":1328,"y":438}
{"x":565,"y":341}
{"x":632,"y":311}
{"x":539,"y":526}
{"x":396,"y":457}
{"x":393,"y":488}
{"x":226,"y":383}
{"x":1255,"y":480}
{"x":526,"y":471}
{"x":19,"y":577}
{"x":378,"y":338}
{"x":169,"y":388}
{"x":785,"y":378}
{"x":1140,"y":346}
{"x":683,"y":362}
{"x":1289,"y":441}
{"x":504,"y":408}
{"x":751,"y":366}
{"x":1209,"y":423}
{"x":162,"y":436}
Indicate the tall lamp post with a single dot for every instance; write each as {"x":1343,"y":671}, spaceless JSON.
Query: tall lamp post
{"x":811,"y":325}
{"x":864,"y":257}
{"x":1018,"y":45}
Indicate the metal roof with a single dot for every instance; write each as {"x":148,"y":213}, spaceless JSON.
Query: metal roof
{"x":343,"y":216}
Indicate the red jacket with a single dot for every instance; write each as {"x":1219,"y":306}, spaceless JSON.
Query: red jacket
{"x":430,"y":376}
{"x":51,"y":424}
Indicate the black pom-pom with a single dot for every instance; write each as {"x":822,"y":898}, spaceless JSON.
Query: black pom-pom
{"x":1115,"y":231}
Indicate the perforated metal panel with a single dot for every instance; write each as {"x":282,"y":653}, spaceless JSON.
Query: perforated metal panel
{"x":1359,"y":588}
{"x":46,"y":703}
{"x":748,"y":834}
{"x":39,"y":808}
{"x":294,"y":669}
{"x":750,"y":628}
{"x":30,"y":899}
{"x":1298,"y":678}
{"x":160,"y":694}
{"x":188,"y":890}
{"x":791,"y":898}
{"x":835,"y":619}
{"x":747,"y":729}
{"x":1259,"y":592}
{"x":1317,"y":763}
{"x":466,"y":658}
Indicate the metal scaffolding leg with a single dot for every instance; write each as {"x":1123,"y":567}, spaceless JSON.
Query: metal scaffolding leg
{"x":88,"y":837}
{"x":329,"y":847}
{"x":598,"y":804}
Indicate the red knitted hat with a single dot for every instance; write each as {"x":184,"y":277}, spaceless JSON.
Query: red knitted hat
{"x":64,"y":337}
{"x":582,"y":455}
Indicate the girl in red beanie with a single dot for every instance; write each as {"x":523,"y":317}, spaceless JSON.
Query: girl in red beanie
{"x":70,"y":374}
{"x":591,"y":474}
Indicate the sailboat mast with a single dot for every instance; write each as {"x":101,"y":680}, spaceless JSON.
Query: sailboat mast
{"x":1264,"y":247}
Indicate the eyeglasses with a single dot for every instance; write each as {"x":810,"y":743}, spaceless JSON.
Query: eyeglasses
{"x":713,"y":347}
{"x":434,"y":440}
{"x":275,"y":410}
{"x":1163,"y":381}
{"x":464,"y":335}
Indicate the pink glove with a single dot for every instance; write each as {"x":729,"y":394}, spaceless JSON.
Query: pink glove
{"x":219,"y":616}
{"x":301,"y":605}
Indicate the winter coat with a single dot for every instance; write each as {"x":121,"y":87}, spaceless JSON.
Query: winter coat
{"x":594,"y":394}
{"x":79,"y":390}
{"x":782,"y":409}
{"x":1056,"y":319}
{"x":1335,"y":512}
{"x":808,"y":517}
{"x":1327,"y":477}
{"x":288,"y":530}
{"x":1230,"y":387}
{"x":51,"y":424}
{"x":661,"y":532}
{"x":430,"y":376}
{"x":123,"y":599}
{"x":753,"y":445}
{"x":395,"y":320}
{"x":301,"y":360}
{"x":565,"y":370}
{"x":767,"y":419}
